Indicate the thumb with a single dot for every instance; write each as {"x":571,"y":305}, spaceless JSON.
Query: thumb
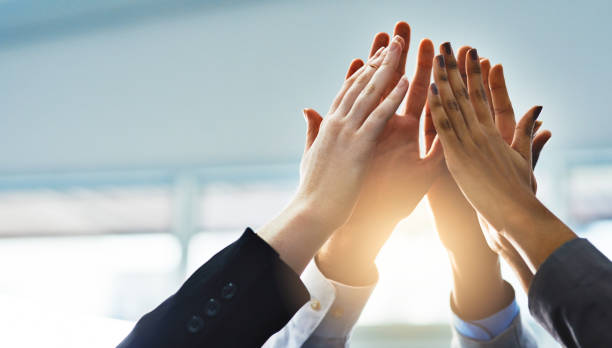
{"x":429,"y":129}
{"x":435,"y":155}
{"x":313,"y":122}
{"x":523,"y":132}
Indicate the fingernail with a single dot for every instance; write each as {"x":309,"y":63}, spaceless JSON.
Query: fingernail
{"x":447,"y":48}
{"x":402,"y":82}
{"x":395,"y":44}
{"x":440,"y":61}
{"x":473,"y":54}
{"x":434,"y":89}
{"x":536,"y":112}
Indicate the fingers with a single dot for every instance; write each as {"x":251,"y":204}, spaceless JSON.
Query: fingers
{"x":353,"y":85}
{"x":313,"y":123}
{"x":524,"y":133}
{"x":402,"y":29}
{"x":429,"y":129}
{"x":538,"y":144}
{"x":417,"y":94}
{"x":504,"y":113}
{"x":376,"y":122}
{"x":537,"y":126}
{"x":485,"y":67}
{"x":441,"y":121}
{"x":447,"y":97}
{"x":476,"y":90}
{"x":454,"y":79}
{"x":380,"y":40}
{"x":355,"y":65}
{"x":461,"y":61}
{"x":371,"y":94}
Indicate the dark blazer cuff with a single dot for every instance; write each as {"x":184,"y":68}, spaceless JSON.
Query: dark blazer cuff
{"x":238,"y":298}
{"x":570,"y":294}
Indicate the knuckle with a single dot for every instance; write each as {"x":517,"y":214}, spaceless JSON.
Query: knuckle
{"x":335,"y":123}
{"x":452,"y":105}
{"x":479,"y":93}
{"x":483,"y":94}
{"x":370,"y":89}
{"x":494,"y":87}
{"x":501,"y":110}
{"x":445,"y":125}
{"x":435,"y":103}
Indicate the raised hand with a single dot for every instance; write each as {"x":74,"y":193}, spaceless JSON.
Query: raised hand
{"x":478,"y":287}
{"x":334,"y":165}
{"x":495,"y":177}
{"x":396,"y":181}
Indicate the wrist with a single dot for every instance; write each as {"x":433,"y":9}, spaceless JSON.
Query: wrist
{"x":296,"y":234}
{"x":348,"y":257}
{"x":535,"y":231}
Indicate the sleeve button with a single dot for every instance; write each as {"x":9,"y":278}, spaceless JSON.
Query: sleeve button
{"x":212,"y":307}
{"x":315,"y":304}
{"x":228,"y":291}
{"x":195,"y":324}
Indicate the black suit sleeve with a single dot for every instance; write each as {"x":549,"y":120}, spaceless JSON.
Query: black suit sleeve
{"x":571,"y":295}
{"x":239,"y":298}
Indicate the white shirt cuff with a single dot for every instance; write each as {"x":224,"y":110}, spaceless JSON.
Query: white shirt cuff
{"x":341,"y":303}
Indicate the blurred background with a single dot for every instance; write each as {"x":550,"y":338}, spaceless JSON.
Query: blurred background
{"x":140,"y":137}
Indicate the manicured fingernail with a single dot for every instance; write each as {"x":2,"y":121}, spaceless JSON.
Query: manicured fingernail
{"x":536,"y":112}
{"x":434,"y":89}
{"x":447,"y":48}
{"x":474,"y":54}
{"x":440,"y":61}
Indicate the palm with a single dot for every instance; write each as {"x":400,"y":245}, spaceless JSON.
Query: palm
{"x":398,"y":178}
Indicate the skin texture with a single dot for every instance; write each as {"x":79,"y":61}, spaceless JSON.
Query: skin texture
{"x":495,"y":177}
{"x":478,"y":287}
{"x":332,"y":177}
{"x":396,"y":181}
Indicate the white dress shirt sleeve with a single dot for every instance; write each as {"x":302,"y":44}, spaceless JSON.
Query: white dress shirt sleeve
{"x":327,"y":320}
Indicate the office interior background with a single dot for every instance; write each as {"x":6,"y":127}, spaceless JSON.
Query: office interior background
{"x":140,"y":137}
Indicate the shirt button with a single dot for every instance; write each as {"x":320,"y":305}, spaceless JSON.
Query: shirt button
{"x":195,"y":324}
{"x":337,"y":312}
{"x":228,"y":291}
{"x":315,"y":304}
{"x":212,"y":307}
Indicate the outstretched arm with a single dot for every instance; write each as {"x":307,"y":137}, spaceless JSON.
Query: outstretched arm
{"x":570,"y":293}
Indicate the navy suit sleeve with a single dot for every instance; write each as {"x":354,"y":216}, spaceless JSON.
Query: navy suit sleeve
{"x":239,"y":298}
{"x":571,"y":295}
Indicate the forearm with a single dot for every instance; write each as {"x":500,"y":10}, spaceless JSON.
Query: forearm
{"x":478,"y":287}
{"x":534,"y":231}
{"x":520,"y":268}
{"x":296,"y":234}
